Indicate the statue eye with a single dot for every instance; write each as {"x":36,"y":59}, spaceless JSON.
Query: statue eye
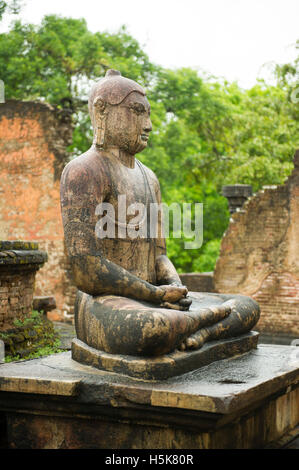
{"x":138,"y":108}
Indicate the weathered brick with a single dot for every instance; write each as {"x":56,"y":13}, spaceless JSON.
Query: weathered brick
{"x":33,"y":141}
{"x":259,"y":255}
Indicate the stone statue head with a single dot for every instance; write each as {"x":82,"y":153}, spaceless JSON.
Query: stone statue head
{"x":120,"y":113}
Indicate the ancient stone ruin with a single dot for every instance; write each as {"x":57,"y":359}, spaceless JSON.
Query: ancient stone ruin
{"x":259,"y":255}
{"x":19,"y":263}
{"x":236,"y":195}
{"x":22,"y":331}
{"x":134,"y":318}
{"x":33,"y":140}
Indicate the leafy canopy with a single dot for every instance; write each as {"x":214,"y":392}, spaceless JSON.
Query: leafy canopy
{"x":206,"y":132}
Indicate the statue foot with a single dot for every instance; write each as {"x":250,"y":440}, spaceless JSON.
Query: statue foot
{"x":119,"y":325}
{"x":195,"y":341}
{"x":210,"y":316}
{"x":242,"y":313}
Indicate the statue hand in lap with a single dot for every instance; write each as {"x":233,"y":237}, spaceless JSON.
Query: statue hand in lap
{"x":173,"y":293}
{"x":131,"y":300}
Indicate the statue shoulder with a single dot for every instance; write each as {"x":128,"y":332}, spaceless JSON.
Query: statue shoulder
{"x":83,"y":170}
{"x":76,"y":168}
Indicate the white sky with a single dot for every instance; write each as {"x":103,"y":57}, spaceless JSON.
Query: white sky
{"x":234,"y":39}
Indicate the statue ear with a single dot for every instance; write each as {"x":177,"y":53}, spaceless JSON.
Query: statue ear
{"x":100,"y":115}
{"x":99,"y":105}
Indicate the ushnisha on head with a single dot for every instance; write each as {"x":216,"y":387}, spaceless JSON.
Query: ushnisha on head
{"x":120,"y":113}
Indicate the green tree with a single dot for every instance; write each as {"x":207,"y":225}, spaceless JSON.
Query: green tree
{"x":57,"y":60}
{"x":50,"y":61}
{"x":206,"y":132}
{"x":212,"y":134}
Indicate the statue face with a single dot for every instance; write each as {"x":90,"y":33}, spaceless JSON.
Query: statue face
{"x":128,"y":124}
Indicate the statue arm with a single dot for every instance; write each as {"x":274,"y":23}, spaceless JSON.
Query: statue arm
{"x":92,"y":272}
{"x":96,"y":275}
{"x":166,"y":272}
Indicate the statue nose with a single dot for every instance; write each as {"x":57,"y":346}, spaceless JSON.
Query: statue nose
{"x":147,"y":126}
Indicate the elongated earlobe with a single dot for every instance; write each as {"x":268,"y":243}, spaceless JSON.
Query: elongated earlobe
{"x":100,"y":116}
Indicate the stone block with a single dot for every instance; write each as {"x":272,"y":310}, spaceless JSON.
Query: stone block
{"x":198,"y":282}
{"x":249,"y":401}
{"x":168,"y":365}
{"x":44,"y":303}
{"x":19,"y":262}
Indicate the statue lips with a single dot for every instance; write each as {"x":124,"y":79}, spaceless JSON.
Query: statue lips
{"x":144,"y":137}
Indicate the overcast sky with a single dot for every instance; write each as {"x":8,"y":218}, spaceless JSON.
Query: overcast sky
{"x":234,"y":39}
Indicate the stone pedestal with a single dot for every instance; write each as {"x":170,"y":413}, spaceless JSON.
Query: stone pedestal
{"x":168,"y":365}
{"x":236,"y":195}
{"x":19,"y":262}
{"x":44,"y":304}
{"x":249,"y":401}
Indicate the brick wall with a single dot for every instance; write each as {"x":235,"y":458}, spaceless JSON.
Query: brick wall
{"x":16,"y":293}
{"x":33,"y":140}
{"x":259,"y":255}
{"x":19,"y":262}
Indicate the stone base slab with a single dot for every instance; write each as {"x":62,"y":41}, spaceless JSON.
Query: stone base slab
{"x":166,"y":366}
{"x":249,"y":401}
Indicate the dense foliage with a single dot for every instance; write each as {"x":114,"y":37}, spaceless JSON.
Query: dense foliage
{"x":206,"y":132}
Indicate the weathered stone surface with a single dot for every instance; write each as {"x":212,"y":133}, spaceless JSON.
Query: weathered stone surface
{"x":16,"y":293}
{"x":8,"y":245}
{"x":44,"y":303}
{"x":236,"y":195}
{"x":66,"y":333}
{"x":237,"y":190}
{"x":130,"y":299}
{"x":259,"y":255}
{"x":29,"y":338}
{"x":198,"y":282}
{"x":221,"y":387}
{"x":33,"y":141}
{"x":40,"y":386}
{"x":166,"y":366}
{"x":19,"y":262}
{"x":249,"y":401}
{"x":22,"y":260}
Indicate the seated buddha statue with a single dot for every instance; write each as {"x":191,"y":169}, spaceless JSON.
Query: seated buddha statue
{"x":130,"y":298}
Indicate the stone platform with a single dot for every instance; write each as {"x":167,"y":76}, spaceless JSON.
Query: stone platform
{"x":168,"y":365}
{"x":249,"y":401}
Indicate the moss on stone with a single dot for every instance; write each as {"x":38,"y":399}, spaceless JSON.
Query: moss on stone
{"x":32,"y":337}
